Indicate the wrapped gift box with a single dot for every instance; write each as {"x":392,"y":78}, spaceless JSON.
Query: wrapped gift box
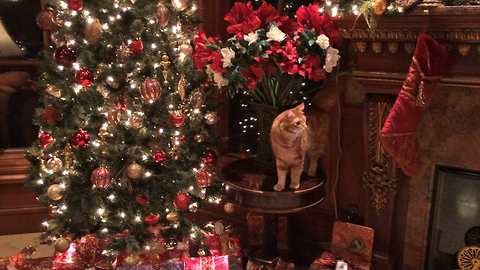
{"x":256,"y":227}
{"x":168,"y":266}
{"x":207,"y":263}
{"x":353,"y":243}
{"x":135,"y":267}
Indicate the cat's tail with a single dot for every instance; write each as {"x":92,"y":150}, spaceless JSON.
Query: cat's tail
{"x":326,"y":98}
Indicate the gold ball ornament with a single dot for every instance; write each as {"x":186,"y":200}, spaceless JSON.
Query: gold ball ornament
{"x":54,"y":192}
{"x":134,"y":171}
{"x":93,"y":31}
{"x":186,"y":49}
{"x":132,"y":259}
{"x":46,"y":20}
{"x":113,"y":115}
{"x":135,"y":120}
{"x":180,"y":5}
{"x":172,"y":216}
{"x":229,"y":208}
{"x":54,"y":91}
{"x":211,"y":117}
{"x":54,"y":164}
{"x":62,"y":244}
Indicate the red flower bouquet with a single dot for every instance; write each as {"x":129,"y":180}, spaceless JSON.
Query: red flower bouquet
{"x":270,"y":55}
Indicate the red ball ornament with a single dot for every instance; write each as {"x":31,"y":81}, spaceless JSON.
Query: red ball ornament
{"x":64,"y":55}
{"x":84,"y":77}
{"x":136,"y":47}
{"x":177,"y":118}
{"x":204,"y":177}
{"x":102,"y":177}
{"x":51,"y":115}
{"x":150,"y":89}
{"x":46,"y":20}
{"x":80,"y":139}
{"x":151,"y":219}
{"x":121,"y":103}
{"x":160,"y":156}
{"x":75,"y":4}
{"x":209,"y":156}
{"x":163,"y":15}
{"x":45,"y":139}
{"x":141,"y":199}
{"x":182,"y":201}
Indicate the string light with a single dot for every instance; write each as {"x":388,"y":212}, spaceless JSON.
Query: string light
{"x":40,"y":181}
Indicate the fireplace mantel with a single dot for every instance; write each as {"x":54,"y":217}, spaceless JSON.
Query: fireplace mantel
{"x":400,"y":205}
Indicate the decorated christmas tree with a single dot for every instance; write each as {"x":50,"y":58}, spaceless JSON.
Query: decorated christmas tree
{"x":125,"y":140}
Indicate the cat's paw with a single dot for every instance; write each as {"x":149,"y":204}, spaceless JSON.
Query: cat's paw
{"x":278,"y":187}
{"x":294,"y":186}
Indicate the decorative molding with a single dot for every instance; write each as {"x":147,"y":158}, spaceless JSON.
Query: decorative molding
{"x":452,"y":35}
{"x":380,"y":177}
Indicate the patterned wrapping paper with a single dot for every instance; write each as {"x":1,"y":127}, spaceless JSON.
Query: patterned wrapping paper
{"x":328,"y":262}
{"x":168,"y":266}
{"x":21,"y":262}
{"x":352,"y":243}
{"x":135,"y":267}
{"x":207,"y":263}
{"x":275,"y":264}
{"x":256,"y":229}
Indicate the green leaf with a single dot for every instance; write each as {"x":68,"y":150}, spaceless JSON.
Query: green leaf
{"x":311,"y":42}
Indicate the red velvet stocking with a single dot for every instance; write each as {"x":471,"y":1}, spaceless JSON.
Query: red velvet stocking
{"x":398,"y":137}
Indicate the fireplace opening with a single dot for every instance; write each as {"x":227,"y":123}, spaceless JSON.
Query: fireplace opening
{"x":455,"y":216}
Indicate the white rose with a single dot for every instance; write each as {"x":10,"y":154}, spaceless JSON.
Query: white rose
{"x":227,"y":54}
{"x":331,"y":59}
{"x":275,"y":34}
{"x":251,"y":38}
{"x":220,"y":80}
{"x":323,"y":41}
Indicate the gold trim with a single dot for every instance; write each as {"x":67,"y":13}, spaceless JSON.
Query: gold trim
{"x":463,"y":48}
{"x":379,"y":177}
{"x":377,"y":47}
{"x":361,"y":46}
{"x":393,"y":47}
{"x":453,"y":35}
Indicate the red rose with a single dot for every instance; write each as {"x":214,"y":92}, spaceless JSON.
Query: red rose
{"x":253,"y":74}
{"x":242,"y":19}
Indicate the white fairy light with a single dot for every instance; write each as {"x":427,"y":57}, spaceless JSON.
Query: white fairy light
{"x":105,"y":26}
{"x":63,"y":4}
{"x":334,"y":11}
{"x":100,"y":211}
{"x":160,"y":130}
{"x":122,"y":215}
{"x":138,"y":219}
{"x":40,"y":181}
{"x":111,"y":197}
{"x":45,"y":224}
{"x":86,"y":12}
{"x":63,"y":207}
{"x":74,"y":13}
{"x":68,"y":23}
{"x":148,"y":174}
{"x":105,"y":230}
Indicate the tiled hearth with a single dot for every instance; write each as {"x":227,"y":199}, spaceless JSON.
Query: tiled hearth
{"x":13,"y":244}
{"x":449,"y":134}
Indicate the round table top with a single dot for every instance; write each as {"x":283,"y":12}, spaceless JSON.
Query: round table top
{"x":250,"y":185}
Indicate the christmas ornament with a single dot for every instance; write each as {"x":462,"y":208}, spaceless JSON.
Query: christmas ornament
{"x":229,"y":208}
{"x":64,"y":55}
{"x":51,"y":115}
{"x":132,"y":259}
{"x":182,"y":86}
{"x":186,"y":49}
{"x":84,"y":77}
{"x":199,"y":138}
{"x":399,"y":134}
{"x":182,"y":201}
{"x":379,"y":6}
{"x":103,"y":90}
{"x":41,"y":158}
{"x":54,"y":164}
{"x":136,"y":47}
{"x":177,"y":118}
{"x":160,"y":156}
{"x":197,"y":98}
{"x":121,"y":103}
{"x":54,"y":192}
{"x":209,"y":156}
{"x":135,"y":120}
{"x":113,"y":115}
{"x":180,"y":5}
{"x":211,"y":117}
{"x":141,"y":199}
{"x":67,"y":153}
{"x":45,"y":139}
{"x":54,"y":91}
{"x":46,"y":20}
{"x":103,"y":135}
{"x":75,"y":4}
{"x":165,"y":63}
{"x":80,"y":139}
{"x":179,"y":140}
{"x":134,"y":171}
{"x":62,"y":244}
{"x":151,"y":219}
{"x":163,"y":15}
{"x":123,"y":52}
{"x":93,"y":31}
{"x":172,"y":216}
{"x":204,"y":177}
{"x":102,"y":177}
{"x":150,"y":89}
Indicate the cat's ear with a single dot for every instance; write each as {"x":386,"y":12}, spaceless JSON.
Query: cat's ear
{"x":300,"y":107}
{"x":289,"y":114}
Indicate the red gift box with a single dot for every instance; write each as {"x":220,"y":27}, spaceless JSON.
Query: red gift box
{"x":82,"y":254}
{"x":207,"y":263}
{"x":352,"y":243}
{"x":256,"y":227}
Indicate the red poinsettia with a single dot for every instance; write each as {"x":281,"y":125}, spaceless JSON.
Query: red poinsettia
{"x":310,"y":18}
{"x":242,"y":19}
{"x":253,"y":74}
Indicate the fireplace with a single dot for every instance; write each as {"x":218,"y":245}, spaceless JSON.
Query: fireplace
{"x":455,"y":216}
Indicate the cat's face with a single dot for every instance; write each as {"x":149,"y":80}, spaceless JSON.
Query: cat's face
{"x":295,"y":121}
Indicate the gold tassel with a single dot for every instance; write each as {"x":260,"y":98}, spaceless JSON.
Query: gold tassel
{"x":420,"y":101}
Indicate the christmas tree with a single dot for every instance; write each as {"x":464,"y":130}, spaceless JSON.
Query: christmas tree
{"x":125,"y":139}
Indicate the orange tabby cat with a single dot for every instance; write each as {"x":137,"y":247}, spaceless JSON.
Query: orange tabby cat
{"x":295,"y":134}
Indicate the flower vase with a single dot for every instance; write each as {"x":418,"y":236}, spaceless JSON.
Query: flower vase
{"x":265,"y":116}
